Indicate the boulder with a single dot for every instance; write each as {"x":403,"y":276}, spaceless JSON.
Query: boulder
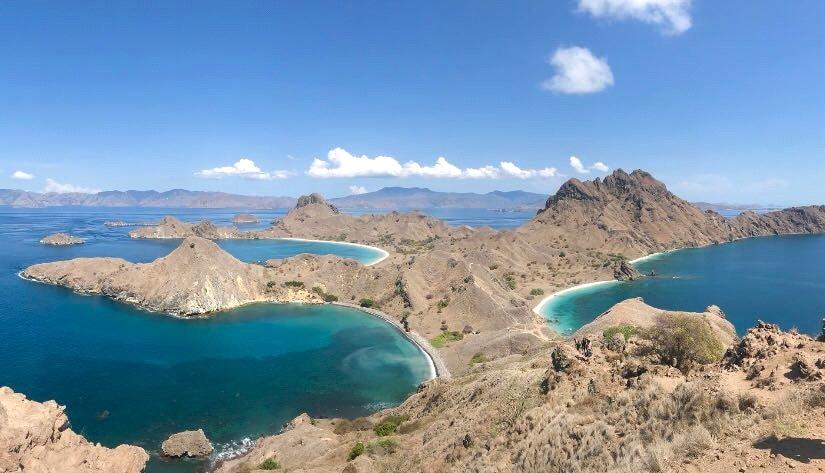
{"x":624,"y":271}
{"x":189,"y":443}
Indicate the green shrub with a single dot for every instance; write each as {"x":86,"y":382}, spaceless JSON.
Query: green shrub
{"x":356,"y":451}
{"x":388,"y":425}
{"x":367,"y":303}
{"x":443,"y":303}
{"x":269,"y":464}
{"x":625,"y":329}
{"x":446,"y":337}
{"x":510,"y":280}
{"x":478,"y":358}
{"x":536,"y":292}
{"x":684,"y":340}
{"x":330,"y":298}
{"x":382,"y":446}
{"x":294,"y":283}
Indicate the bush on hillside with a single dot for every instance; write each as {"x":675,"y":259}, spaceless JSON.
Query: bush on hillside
{"x":684,"y":340}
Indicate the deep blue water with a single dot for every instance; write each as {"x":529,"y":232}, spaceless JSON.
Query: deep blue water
{"x":778,"y":279}
{"x":129,"y":376}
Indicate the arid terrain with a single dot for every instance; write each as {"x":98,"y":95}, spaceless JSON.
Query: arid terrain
{"x":521,"y":397}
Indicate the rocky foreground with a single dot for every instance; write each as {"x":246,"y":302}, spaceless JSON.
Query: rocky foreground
{"x":36,"y":437}
{"x":636,"y":403}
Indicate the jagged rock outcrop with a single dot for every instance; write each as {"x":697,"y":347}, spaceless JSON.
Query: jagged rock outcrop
{"x":315,"y":199}
{"x":624,"y":271}
{"x":189,"y":443}
{"x":245,"y":218}
{"x":36,"y":437}
{"x":61,"y":239}
{"x":635,"y":214}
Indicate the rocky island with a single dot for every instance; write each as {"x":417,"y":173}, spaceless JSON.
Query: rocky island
{"x":61,"y":239}
{"x":245,"y":218}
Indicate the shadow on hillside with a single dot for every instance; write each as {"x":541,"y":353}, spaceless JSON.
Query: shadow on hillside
{"x":798,"y":448}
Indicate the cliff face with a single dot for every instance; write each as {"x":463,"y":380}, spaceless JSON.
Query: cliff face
{"x":36,"y":437}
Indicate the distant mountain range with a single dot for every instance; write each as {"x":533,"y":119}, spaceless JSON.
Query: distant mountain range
{"x":390,"y":198}
{"x":174,"y":198}
{"x":422,"y":198}
{"x":386,"y":198}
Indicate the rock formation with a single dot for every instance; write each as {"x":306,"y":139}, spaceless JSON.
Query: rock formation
{"x":170,"y":227}
{"x":189,"y":443}
{"x":244,"y":218}
{"x":61,"y":239}
{"x":315,"y":199}
{"x":36,"y":437}
{"x":624,"y":271}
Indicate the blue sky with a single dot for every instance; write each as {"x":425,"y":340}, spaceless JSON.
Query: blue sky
{"x":723,"y":101}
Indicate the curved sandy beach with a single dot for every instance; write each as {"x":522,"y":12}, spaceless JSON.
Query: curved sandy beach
{"x":438,"y":368}
{"x":384,"y":253}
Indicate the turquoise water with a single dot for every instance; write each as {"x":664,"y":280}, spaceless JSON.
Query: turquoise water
{"x":780,"y":279}
{"x":129,"y":376}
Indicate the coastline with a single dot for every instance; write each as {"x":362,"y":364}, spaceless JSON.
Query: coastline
{"x":384,"y":253}
{"x":538,"y":308}
{"x":438,"y":368}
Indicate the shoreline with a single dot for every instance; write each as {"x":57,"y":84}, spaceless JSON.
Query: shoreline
{"x":438,"y":368}
{"x":538,"y":308}
{"x":384,"y":253}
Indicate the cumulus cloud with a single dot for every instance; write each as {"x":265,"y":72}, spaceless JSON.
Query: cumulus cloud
{"x":578,"y":71}
{"x":579,"y":166}
{"x":340,"y":163}
{"x":357,"y":190}
{"x":672,"y":16}
{"x":512,"y":170}
{"x":22,"y":175}
{"x":60,"y":188}
{"x":245,"y":168}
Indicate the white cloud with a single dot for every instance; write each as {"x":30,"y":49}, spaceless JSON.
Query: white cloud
{"x":579,"y":166}
{"x":512,"y":170}
{"x":578,"y":71}
{"x":672,"y":16}
{"x":340,"y":163}
{"x":357,"y":190}
{"x":22,"y":175}
{"x":245,"y":168}
{"x":59,"y":188}
{"x":600,"y":166}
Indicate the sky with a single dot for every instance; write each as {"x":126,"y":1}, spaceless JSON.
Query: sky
{"x":722,"y":101}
